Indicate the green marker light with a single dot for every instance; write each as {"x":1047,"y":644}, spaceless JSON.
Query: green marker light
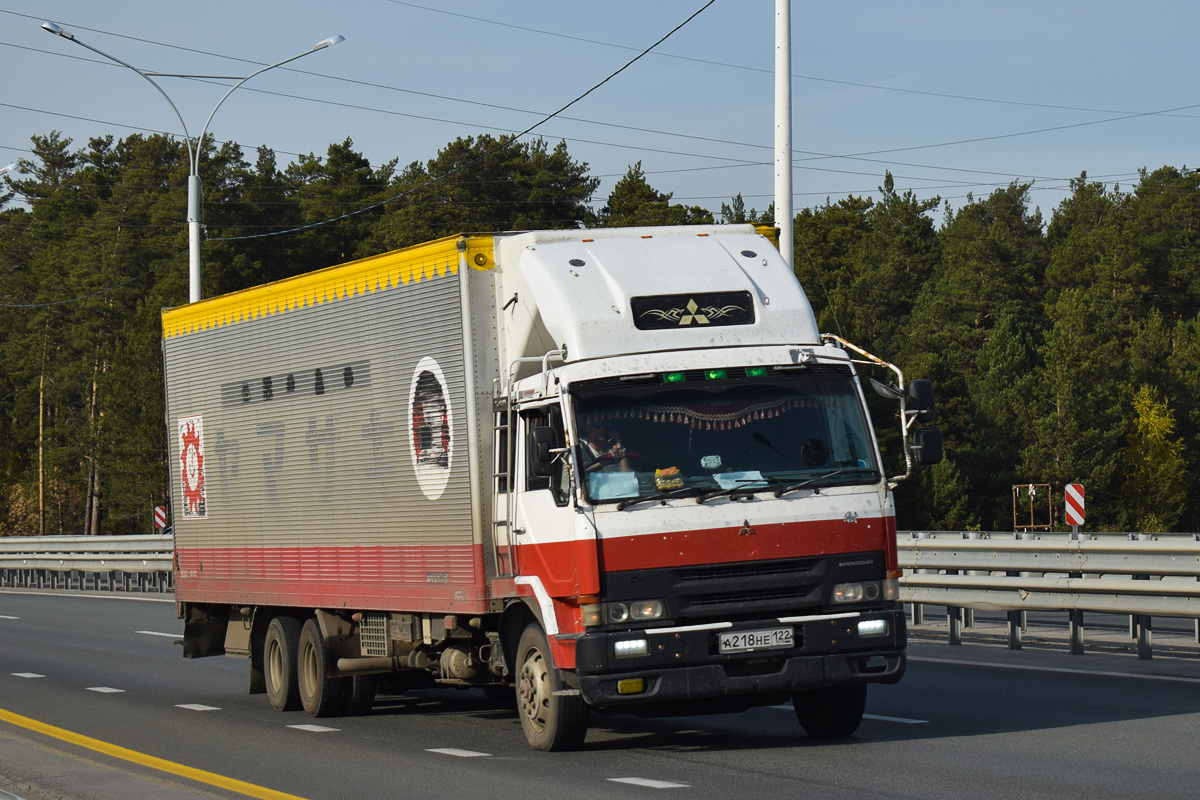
{"x":674,"y":377}
{"x":714,"y":374}
{"x":756,"y":372}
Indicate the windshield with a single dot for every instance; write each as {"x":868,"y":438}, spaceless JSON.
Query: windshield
{"x":720,"y":432}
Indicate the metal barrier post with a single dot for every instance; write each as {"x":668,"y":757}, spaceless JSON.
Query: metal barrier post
{"x":1144,"y":638}
{"x":954,"y":618}
{"x":1075,"y":625}
{"x":1014,"y":629}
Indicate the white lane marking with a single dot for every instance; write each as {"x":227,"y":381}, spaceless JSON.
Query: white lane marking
{"x":651,"y":784}
{"x":197,"y":707}
{"x":5,"y":616}
{"x":876,"y":717}
{"x":91,"y":596}
{"x":156,"y":633}
{"x":105,"y":690}
{"x":1063,"y":670}
{"x":314,"y":728}
{"x":901,"y":720}
{"x":454,"y":751}
{"x":28,"y":675}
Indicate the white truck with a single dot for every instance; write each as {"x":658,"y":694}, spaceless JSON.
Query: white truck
{"x":600,"y":471}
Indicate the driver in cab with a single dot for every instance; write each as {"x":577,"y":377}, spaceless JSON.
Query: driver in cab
{"x":603,"y":451}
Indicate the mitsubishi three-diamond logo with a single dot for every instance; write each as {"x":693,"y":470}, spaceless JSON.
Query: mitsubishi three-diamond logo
{"x":687,"y":318}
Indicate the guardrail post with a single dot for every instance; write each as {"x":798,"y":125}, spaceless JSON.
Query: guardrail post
{"x":954,"y":618}
{"x":1015,"y":628}
{"x":1144,"y":638}
{"x":918,"y":614}
{"x":1075,"y":626}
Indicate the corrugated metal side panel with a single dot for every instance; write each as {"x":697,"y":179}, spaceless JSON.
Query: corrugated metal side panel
{"x":297,"y":464}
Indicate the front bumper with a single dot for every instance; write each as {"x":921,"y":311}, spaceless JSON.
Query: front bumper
{"x":684,"y":662}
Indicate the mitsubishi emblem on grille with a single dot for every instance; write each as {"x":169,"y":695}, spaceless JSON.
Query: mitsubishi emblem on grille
{"x":746,"y":529}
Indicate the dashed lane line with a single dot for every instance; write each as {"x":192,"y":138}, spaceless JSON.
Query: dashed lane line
{"x":28,"y":675}
{"x":157,"y":633}
{"x":314,"y":728}
{"x":5,"y":616}
{"x":197,"y":707}
{"x":454,"y":751}
{"x":650,"y":784}
{"x":1060,"y":670}
{"x":105,"y":690}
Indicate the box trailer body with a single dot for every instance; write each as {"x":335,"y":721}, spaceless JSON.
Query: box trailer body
{"x":616,"y":470}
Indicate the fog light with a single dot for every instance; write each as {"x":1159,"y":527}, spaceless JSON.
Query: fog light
{"x":631,"y":686}
{"x":847,"y":593}
{"x":873,"y":627}
{"x":631,"y":647}
{"x":618,"y":612}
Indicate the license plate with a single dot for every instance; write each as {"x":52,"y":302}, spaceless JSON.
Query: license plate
{"x":749,"y":641}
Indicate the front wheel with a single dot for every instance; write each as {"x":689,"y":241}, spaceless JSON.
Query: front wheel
{"x":551,"y":719}
{"x":831,"y":711}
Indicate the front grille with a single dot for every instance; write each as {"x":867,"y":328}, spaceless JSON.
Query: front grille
{"x":751,"y":589}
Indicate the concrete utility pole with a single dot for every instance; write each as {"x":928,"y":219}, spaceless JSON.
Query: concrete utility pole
{"x":783,"y":128}
{"x":193,"y":196}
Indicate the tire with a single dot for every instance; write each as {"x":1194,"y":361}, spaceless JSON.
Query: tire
{"x":279,"y":663}
{"x":550,"y":721}
{"x":360,"y":694}
{"x":321,"y":694}
{"x":832,"y":711}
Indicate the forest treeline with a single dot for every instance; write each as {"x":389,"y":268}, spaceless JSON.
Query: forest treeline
{"x":1062,"y":350}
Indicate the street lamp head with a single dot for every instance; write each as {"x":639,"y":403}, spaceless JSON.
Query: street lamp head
{"x":57,"y":30}
{"x":9,"y":168}
{"x":332,"y":40}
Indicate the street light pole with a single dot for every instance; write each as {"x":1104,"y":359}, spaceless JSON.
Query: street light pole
{"x":193,"y":186}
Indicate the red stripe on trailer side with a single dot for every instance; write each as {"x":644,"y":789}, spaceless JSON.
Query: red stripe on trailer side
{"x":434,"y":578}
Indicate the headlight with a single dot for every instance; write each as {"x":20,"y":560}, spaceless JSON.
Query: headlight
{"x":646,"y":609}
{"x":617,"y":613}
{"x":868,"y":591}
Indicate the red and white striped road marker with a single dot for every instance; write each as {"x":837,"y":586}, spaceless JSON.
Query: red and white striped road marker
{"x":1074,"y":496}
{"x":160,"y":517}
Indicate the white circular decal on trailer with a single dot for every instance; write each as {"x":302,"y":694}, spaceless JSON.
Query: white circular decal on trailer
{"x":432,"y":428}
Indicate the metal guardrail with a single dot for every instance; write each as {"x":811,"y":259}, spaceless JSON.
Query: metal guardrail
{"x":113,"y":563}
{"x":1141,"y":575}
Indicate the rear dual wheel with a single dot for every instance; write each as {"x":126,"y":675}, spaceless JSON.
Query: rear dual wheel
{"x":279,"y":663}
{"x":321,"y":694}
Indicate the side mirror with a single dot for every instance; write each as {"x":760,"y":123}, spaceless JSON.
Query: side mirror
{"x":920,"y":393}
{"x":927,"y":442}
{"x":542,"y":443}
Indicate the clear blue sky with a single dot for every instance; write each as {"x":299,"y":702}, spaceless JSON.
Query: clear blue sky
{"x":952,"y":97}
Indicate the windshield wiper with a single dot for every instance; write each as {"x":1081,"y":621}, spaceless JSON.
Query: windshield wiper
{"x":732,"y":491}
{"x":684,"y":492}
{"x":781,"y":491}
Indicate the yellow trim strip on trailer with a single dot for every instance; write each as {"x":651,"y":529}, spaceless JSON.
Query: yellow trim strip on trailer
{"x":376,"y":273}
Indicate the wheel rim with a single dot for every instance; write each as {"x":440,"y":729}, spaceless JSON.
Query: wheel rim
{"x":308,"y":665}
{"x":534,"y":695}
{"x":274,"y":665}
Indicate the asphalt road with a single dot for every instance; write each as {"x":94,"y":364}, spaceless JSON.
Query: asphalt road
{"x":977,"y":722}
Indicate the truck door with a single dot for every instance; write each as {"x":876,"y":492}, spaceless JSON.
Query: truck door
{"x":553,"y":543}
